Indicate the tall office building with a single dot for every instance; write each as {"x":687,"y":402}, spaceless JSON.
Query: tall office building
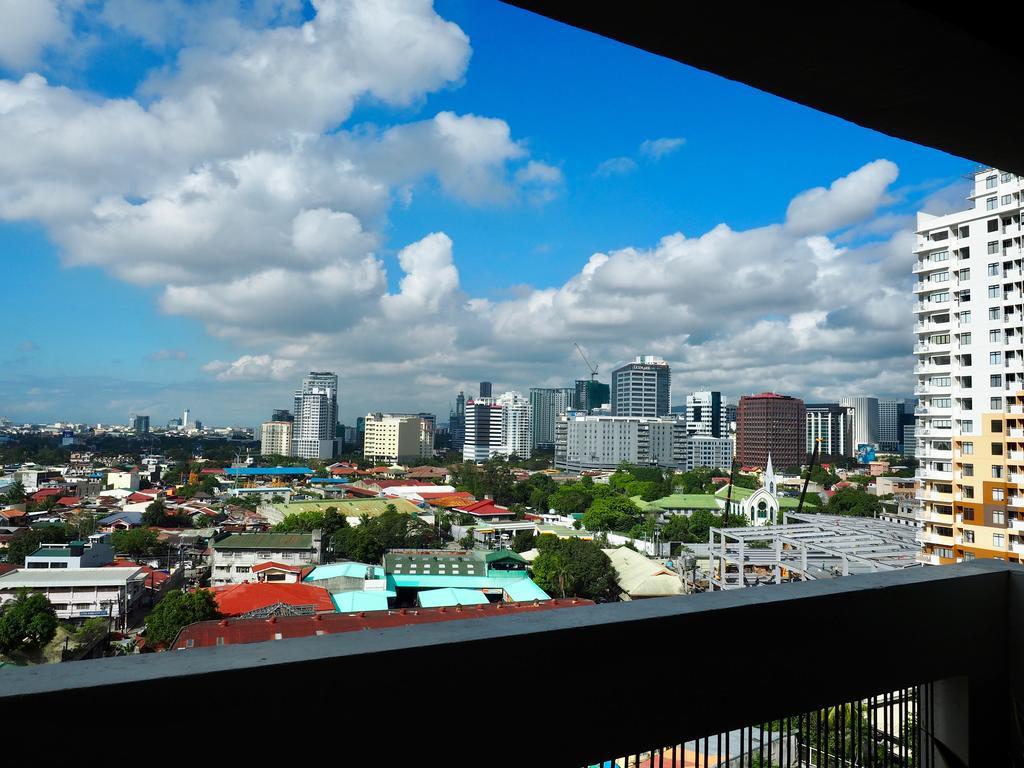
{"x":890,"y":426}
{"x":457,"y":423}
{"x":139,"y":424}
{"x":498,"y":426}
{"x":485,"y":389}
{"x":548,"y":403}
{"x":276,"y":438}
{"x":642,"y":388}
{"x":771,"y":424}
{"x":316,"y":416}
{"x":707,"y":414}
{"x":282,"y":415}
{"x":970,"y":374}
{"x":186,"y":419}
{"x":865,"y":419}
{"x":590,"y":395}
{"x":833,"y":424}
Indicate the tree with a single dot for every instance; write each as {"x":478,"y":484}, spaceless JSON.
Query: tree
{"x":468,"y":541}
{"x":15,"y":493}
{"x":523,"y":541}
{"x":572,"y":498}
{"x":853,"y":501}
{"x":177,"y":610}
{"x":573,"y":567}
{"x":155,"y":514}
{"x":27,"y":622}
{"x":614,"y":513}
{"x":135,"y":542}
{"x":676,"y":528}
{"x":368,"y":541}
{"x":28,"y":542}
{"x":91,"y":631}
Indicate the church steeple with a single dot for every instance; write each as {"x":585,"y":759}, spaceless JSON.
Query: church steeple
{"x":768,"y":481}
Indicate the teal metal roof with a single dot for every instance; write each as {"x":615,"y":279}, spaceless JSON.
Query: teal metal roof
{"x":428,"y":581}
{"x":52,"y":552}
{"x":347,"y":602}
{"x":435,"y":598}
{"x":524,"y":590}
{"x":348,"y":570}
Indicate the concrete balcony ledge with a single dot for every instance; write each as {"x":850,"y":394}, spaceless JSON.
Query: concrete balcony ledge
{"x":385,"y":665}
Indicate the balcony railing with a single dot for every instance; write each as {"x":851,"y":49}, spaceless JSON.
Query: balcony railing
{"x":645,"y":706}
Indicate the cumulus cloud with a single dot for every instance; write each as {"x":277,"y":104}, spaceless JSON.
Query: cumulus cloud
{"x":848,"y":200}
{"x":251,"y":367}
{"x":27,"y":28}
{"x":616,"y":166}
{"x":655,"y":149}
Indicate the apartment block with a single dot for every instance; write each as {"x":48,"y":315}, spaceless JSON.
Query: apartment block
{"x":397,"y":437}
{"x":547,"y":404}
{"x":276,"y":438}
{"x":773,"y":425}
{"x":592,"y":442}
{"x":970,"y":375}
{"x":500,"y":425}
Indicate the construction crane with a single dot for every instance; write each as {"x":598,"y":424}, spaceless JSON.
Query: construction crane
{"x":592,"y":368}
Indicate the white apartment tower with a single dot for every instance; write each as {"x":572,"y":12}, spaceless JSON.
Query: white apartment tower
{"x":276,"y":438}
{"x":316,"y":416}
{"x":865,"y":420}
{"x":498,"y":425}
{"x":970,"y":375}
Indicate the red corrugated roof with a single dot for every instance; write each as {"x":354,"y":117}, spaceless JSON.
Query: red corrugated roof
{"x":68,"y":501}
{"x":214,"y":471}
{"x":484,"y":508}
{"x":237,"y":599}
{"x":359,"y":491}
{"x":43,"y":493}
{"x":259,"y":567}
{"x":232,"y":632}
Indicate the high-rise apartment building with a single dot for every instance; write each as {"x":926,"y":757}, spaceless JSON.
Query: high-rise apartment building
{"x":865,"y":419}
{"x":498,"y":426}
{"x":642,"y":388}
{"x":771,"y":424}
{"x":890,"y":425}
{"x":397,"y":437}
{"x":970,"y":374}
{"x":833,"y":424}
{"x":276,"y":438}
{"x":590,"y":395}
{"x":548,"y":403}
{"x":282,"y":415}
{"x":585,"y":442}
{"x":139,"y":424}
{"x":316,"y":416}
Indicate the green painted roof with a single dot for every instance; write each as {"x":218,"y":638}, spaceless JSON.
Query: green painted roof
{"x":738,"y":494}
{"x":51,"y":552}
{"x":687,"y":501}
{"x":503,"y":554}
{"x":347,"y":602}
{"x":435,"y":598}
{"x":435,"y":563}
{"x":266,"y":541}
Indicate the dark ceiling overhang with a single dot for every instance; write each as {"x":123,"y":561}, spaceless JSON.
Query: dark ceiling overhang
{"x":948,"y":79}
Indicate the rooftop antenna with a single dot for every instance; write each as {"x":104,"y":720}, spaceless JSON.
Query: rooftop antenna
{"x":592,"y":368}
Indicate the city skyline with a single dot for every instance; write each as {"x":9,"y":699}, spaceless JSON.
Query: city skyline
{"x":472,"y":252}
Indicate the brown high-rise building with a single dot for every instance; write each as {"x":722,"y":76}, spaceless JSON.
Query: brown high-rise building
{"x":771,"y":424}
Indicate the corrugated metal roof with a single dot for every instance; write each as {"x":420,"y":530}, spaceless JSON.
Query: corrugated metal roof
{"x":361,"y":601}
{"x":266,"y":541}
{"x":249,"y":471}
{"x":435,"y":598}
{"x":62,"y":577}
{"x":347,"y":570}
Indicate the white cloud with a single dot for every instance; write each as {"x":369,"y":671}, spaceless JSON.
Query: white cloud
{"x":27,"y":27}
{"x":616,"y":166}
{"x":848,"y":200}
{"x":252,"y":367}
{"x":655,"y":149}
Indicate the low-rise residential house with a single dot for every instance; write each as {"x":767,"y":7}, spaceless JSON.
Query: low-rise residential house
{"x":77,"y":554}
{"x":125,"y":481}
{"x":120,"y":521}
{"x":13,"y":515}
{"x":81,"y":593}
{"x":281,"y":573}
{"x":435,"y":474}
{"x":235,"y":555}
{"x":486,"y":510}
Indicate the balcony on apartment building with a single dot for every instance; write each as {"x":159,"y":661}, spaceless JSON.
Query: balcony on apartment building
{"x":843,"y":663}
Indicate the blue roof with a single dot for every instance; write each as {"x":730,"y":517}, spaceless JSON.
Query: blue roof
{"x":132,"y":518}
{"x":350,"y":570}
{"x":524,"y":590}
{"x":346,"y":602}
{"x":249,"y":471}
{"x":332,"y":480}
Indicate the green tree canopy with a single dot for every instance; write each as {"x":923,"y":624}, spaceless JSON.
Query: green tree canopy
{"x":613,"y":513}
{"x":15,"y":493}
{"x":27,"y":622}
{"x":523,"y":541}
{"x":368,"y":541}
{"x":155,"y":514}
{"x":574,"y":568}
{"x":853,"y":501}
{"x":28,"y":542}
{"x":177,"y":610}
{"x":135,"y":542}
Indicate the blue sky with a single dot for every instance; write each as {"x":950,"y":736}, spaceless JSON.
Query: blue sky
{"x":102,"y":321}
